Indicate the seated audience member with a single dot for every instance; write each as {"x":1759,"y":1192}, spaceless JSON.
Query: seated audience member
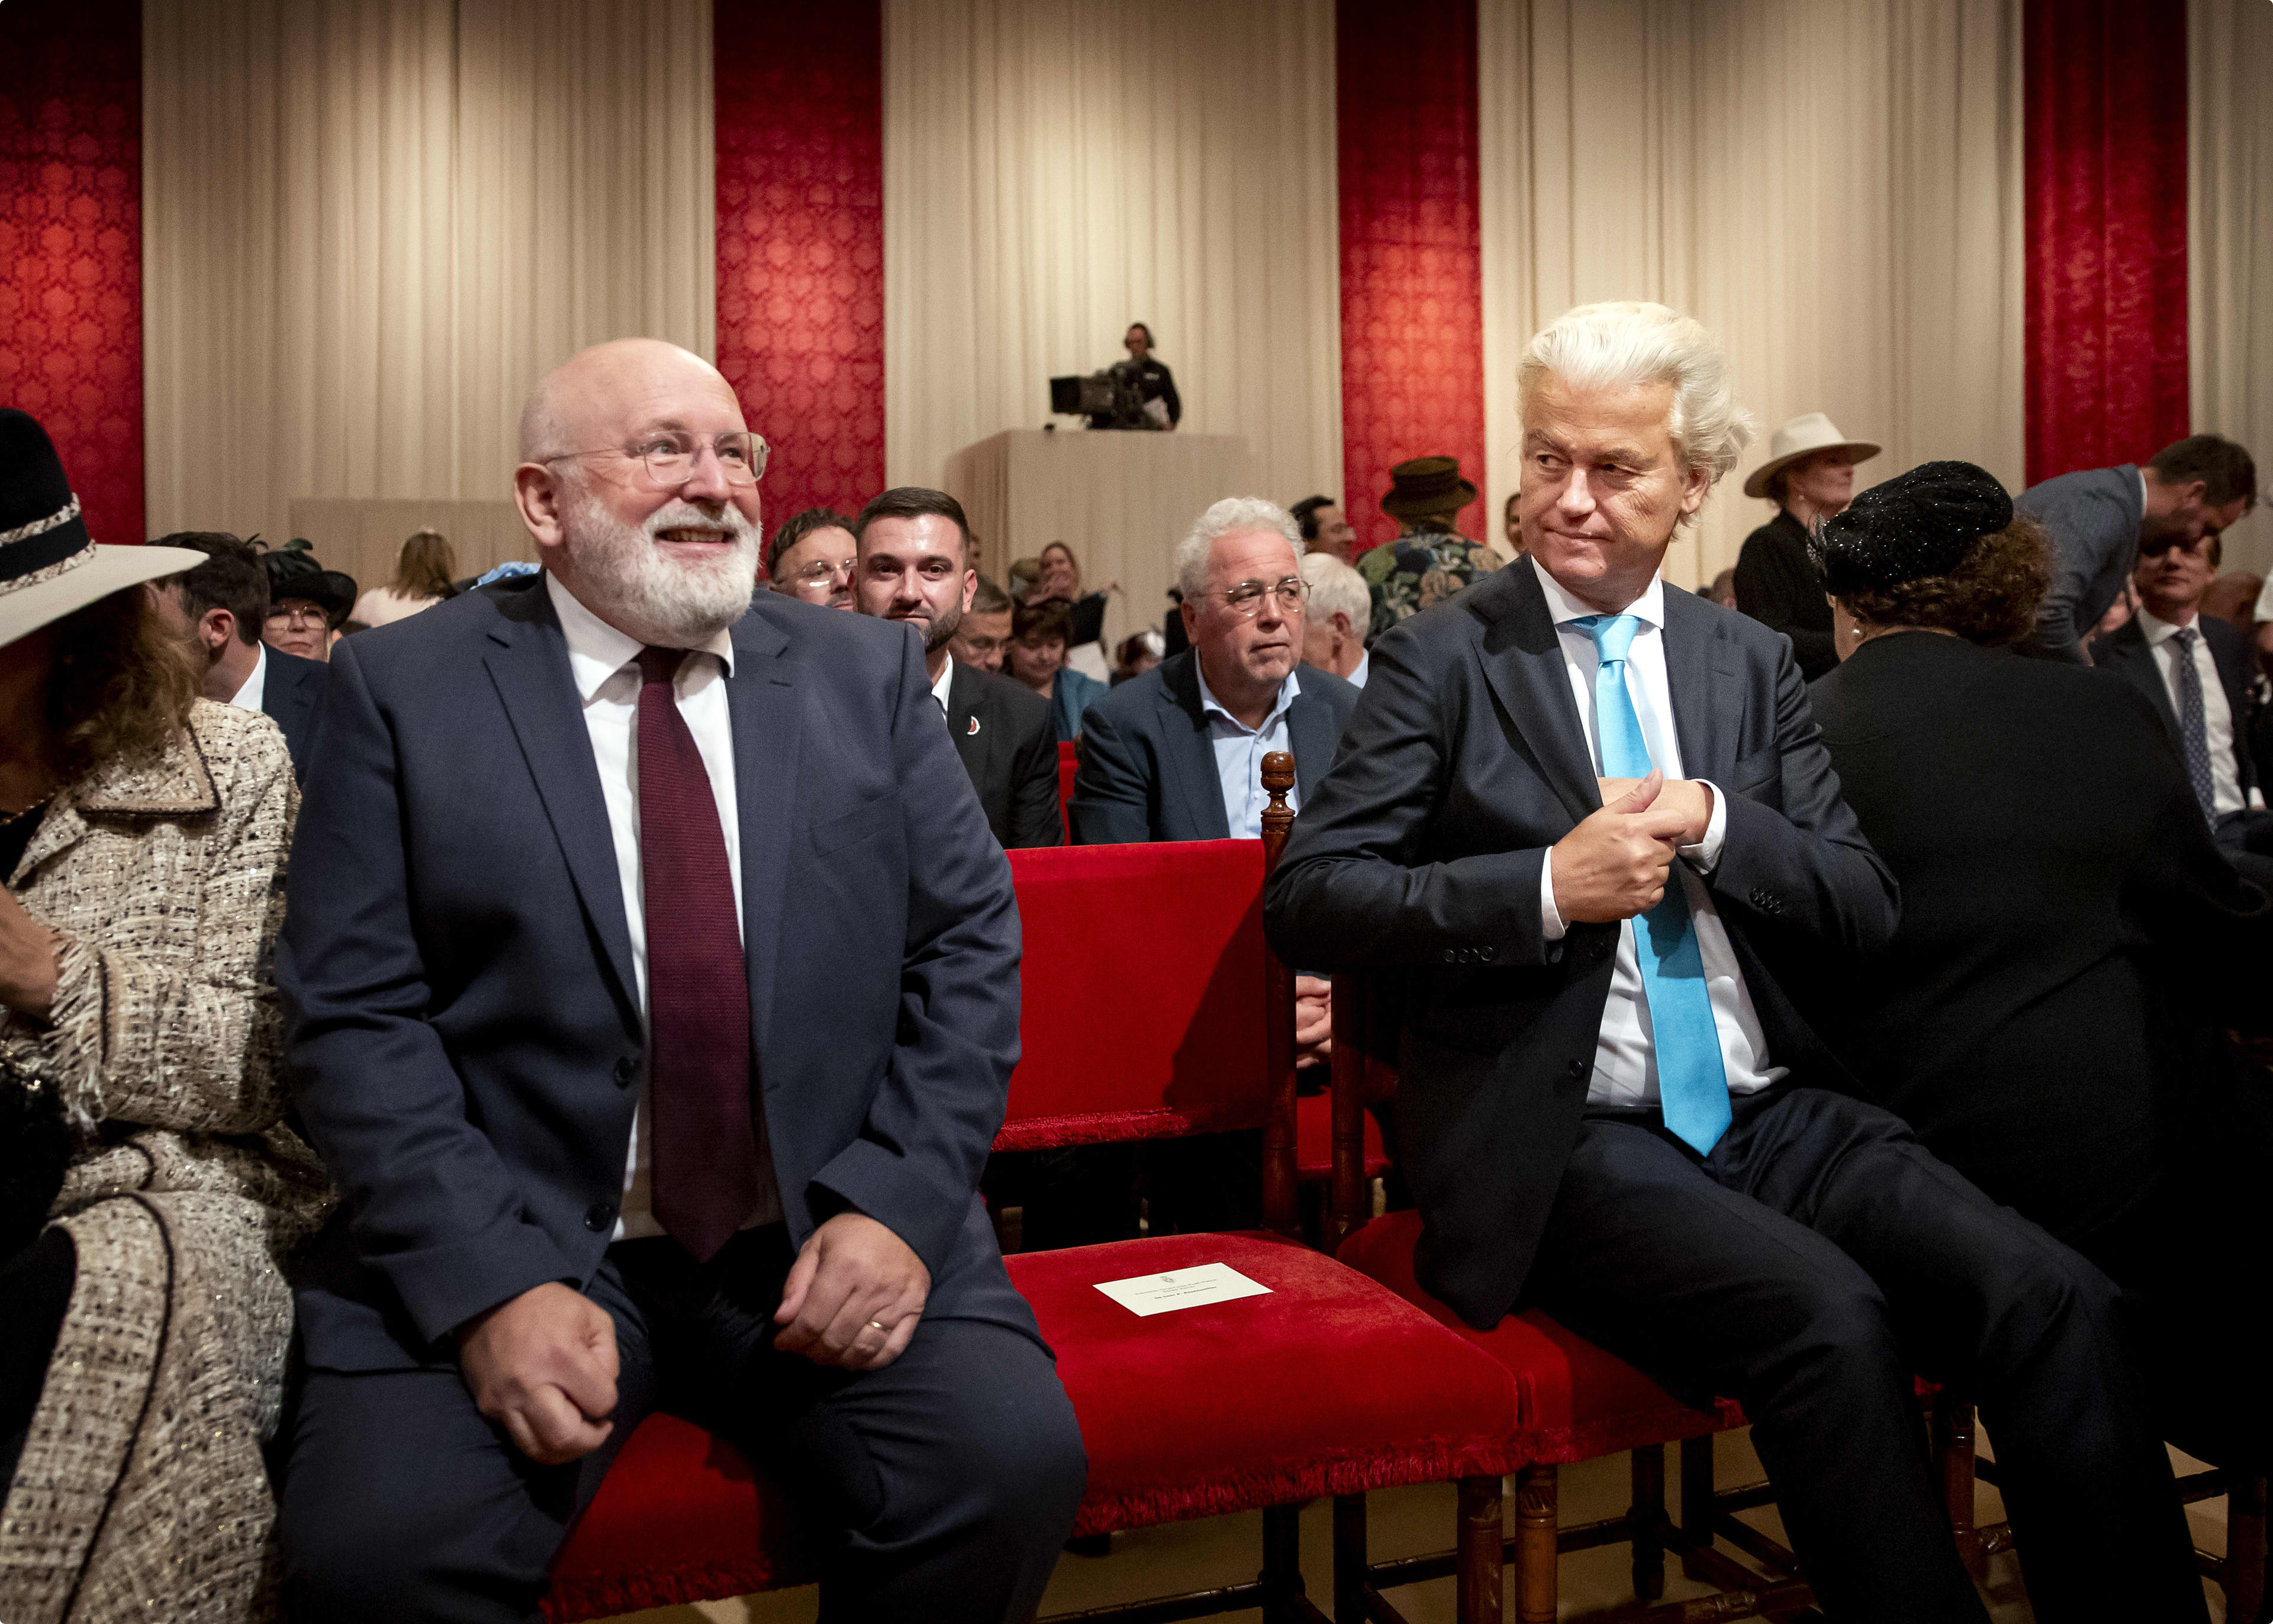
{"x":1324,"y":528}
{"x":307,"y":603}
{"x":1511,"y":524}
{"x":1138,"y":656}
{"x":1723,"y":589}
{"x":422,"y":574}
{"x":1335,"y":616}
{"x":149,"y":1194}
{"x":2065,"y":920}
{"x":2100,"y":518}
{"x":1035,"y":656}
{"x":221,"y":607}
{"x":911,"y":568}
{"x":2233,"y":598}
{"x":1430,"y":559}
{"x":1020,"y":581}
{"x":984,"y":632}
{"x":812,"y":557}
{"x":2196,"y":672}
{"x":569,"y":1202}
{"x":1061,"y":582}
{"x":1810,"y":475}
{"x":1634,"y":1129}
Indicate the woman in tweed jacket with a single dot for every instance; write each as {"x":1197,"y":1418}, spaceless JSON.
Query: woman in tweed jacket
{"x":138,"y":1035}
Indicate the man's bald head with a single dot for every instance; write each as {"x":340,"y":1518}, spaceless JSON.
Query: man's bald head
{"x":624,"y":379}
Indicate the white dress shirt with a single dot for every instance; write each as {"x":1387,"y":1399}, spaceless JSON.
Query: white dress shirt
{"x":1239,"y":752}
{"x":939,"y":689}
{"x":2217,"y":716}
{"x":255,"y":692}
{"x":1356,"y":678}
{"x":604,"y":663}
{"x":1625,"y":1056}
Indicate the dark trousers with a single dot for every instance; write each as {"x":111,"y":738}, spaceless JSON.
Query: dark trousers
{"x":949,"y":1478}
{"x":1810,"y":1267}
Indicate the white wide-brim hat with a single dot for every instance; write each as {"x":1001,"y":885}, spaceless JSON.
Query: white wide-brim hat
{"x":1803,"y":436}
{"x":49,"y":565}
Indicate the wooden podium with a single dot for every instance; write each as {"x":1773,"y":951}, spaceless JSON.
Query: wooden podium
{"x":1122,"y":500}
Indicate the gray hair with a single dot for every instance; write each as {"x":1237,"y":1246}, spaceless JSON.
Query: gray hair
{"x":1336,"y":586}
{"x":1606,"y":346}
{"x":1232,"y":516}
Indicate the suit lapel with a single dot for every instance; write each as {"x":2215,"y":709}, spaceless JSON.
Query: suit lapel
{"x":963,"y":708}
{"x":762,"y":699}
{"x":1187,"y":755}
{"x":1523,"y":662}
{"x":1698,"y":664}
{"x":2143,"y":671}
{"x":529,"y":666}
{"x":1312,"y":732}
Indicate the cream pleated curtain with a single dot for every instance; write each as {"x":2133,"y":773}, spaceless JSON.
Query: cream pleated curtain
{"x":2230,"y":250}
{"x":1834,"y":189}
{"x":1056,"y":169}
{"x":367,"y":229}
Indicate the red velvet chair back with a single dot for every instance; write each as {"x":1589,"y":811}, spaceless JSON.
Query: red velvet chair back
{"x":1143,"y":1009}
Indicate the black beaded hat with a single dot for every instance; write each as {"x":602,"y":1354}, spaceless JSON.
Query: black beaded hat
{"x":49,"y":565}
{"x":1916,"y":524}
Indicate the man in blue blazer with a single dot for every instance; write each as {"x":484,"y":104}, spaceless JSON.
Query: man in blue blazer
{"x":1583,"y":810}
{"x":652,"y":986}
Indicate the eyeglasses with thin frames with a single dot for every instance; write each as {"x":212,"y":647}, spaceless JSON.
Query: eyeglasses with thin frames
{"x":1246,"y":599}
{"x":669,"y":457}
{"x":299,"y":618}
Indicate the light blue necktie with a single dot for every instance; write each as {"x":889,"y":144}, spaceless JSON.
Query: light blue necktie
{"x":1693,"y":1087}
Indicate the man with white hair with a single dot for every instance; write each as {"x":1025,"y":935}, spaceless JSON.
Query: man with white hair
{"x":1584,"y":810}
{"x":654,"y":1006}
{"x":1339,"y":609}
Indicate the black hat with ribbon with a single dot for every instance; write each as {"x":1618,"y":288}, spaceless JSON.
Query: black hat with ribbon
{"x":1916,"y":524}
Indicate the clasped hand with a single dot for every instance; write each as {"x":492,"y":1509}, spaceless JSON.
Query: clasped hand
{"x":543,"y":1364}
{"x":1616,"y":864}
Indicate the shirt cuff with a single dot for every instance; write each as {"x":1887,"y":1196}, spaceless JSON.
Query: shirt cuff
{"x":1705,"y":856}
{"x":1550,"y":922}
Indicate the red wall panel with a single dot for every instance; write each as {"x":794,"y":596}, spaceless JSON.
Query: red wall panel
{"x":2105,"y":112}
{"x":800,"y":143}
{"x":70,"y":243}
{"x":1413,"y":332}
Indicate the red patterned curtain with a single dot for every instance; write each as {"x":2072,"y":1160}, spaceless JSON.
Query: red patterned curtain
{"x":1413,"y":332}
{"x":800,"y":138}
{"x":2106,"y":159}
{"x":70,"y":243}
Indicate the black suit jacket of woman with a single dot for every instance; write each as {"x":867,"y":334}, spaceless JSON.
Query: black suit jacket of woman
{"x":2054,"y":870}
{"x":1421,"y":852}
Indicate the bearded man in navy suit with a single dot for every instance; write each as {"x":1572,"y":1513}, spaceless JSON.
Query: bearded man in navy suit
{"x":652,"y":984}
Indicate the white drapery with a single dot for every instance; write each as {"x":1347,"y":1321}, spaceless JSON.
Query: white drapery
{"x":367,"y":230}
{"x":1055,"y":170}
{"x":1836,"y":191}
{"x":2230,"y":221}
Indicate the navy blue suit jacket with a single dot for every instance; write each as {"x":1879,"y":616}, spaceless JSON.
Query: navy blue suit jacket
{"x":292,"y":694}
{"x":2125,"y":651}
{"x":1421,"y":850}
{"x":464,"y":1034}
{"x":1147,"y":767}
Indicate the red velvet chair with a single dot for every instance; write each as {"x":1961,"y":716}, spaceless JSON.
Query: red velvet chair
{"x":1573,"y":1402}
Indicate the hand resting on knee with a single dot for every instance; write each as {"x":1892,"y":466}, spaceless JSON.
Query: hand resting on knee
{"x":853,"y":1296}
{"x":543,"y":1366}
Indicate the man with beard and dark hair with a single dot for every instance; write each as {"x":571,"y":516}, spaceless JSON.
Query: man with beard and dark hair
{"x":655,"y":1011}
{"x":912,"y":567}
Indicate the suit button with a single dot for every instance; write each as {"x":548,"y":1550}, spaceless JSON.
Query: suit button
{"x":1576,"y":1070}
{"x":1484,"y":954}
{"x":1451,"y":955}
{"x":598,"y":1216}
{"x":627,"y":1070}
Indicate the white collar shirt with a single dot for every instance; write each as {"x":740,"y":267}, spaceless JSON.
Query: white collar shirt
{"x":604,"y":663}
{"x":1239,"y":752}
{"x":254,"y":694}
{"x":1364,"y":665}
{"x":2217,"y":716}
{"x":1625,"y":1055}
{"x":939,"y":689}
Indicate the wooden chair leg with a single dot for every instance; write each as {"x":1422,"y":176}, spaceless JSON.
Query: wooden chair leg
{"x":2242,"y":1575}
{"x":1282,"y":1562}
{"x":1697,"y":1500}
{"x":1537,"y":1508}
{"x":1645,"y":1522}
{"x":1952,"y":1455}
{"x":1350,"y":1559}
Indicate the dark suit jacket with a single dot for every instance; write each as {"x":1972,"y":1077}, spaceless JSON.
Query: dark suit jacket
{"x":292,"y":695}
{"x":1778,"y":586}
{"x":464,"y":1036}
{"x":1008,"y":745}
{"x":2093,"y":516}
{"x":1422,"y":851}
{"x":2125,"y":651}
{"x":1147,"y":766}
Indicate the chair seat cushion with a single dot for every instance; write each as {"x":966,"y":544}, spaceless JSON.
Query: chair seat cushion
{"x":1573,"y":1400}
{"x":679,"y":1518}
{"x":1326,"y":1385}
{"x":1314,"y":1140}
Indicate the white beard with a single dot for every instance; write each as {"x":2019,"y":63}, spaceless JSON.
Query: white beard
{"x":668,"y":603}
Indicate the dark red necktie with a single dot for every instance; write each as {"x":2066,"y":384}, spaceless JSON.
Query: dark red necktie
{"x":700,"y":1076}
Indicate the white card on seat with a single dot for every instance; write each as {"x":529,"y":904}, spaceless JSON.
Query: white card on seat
{"x":1181,"y":1288}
